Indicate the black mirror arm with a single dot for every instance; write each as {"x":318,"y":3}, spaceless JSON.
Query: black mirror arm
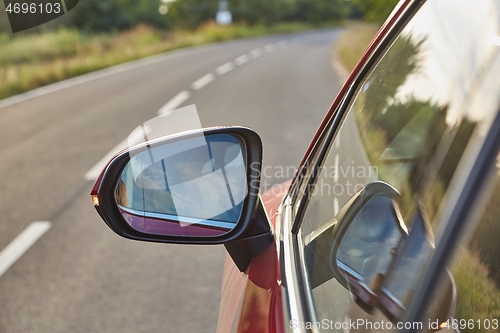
{"x":254,"y":240}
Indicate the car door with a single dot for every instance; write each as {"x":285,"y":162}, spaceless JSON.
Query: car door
{"x":394,"y":178}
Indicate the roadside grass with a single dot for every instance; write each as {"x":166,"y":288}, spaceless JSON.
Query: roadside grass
{"x":353,"y":42}
{"x":349,"y":48}
{"x":31,"y":61}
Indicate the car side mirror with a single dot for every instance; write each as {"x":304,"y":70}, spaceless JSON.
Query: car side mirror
{"x":196,"y":187}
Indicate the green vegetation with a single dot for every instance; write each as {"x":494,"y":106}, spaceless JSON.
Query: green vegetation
{"x":353,"y":42}
{"x":34,"y":60}
{"x":477,"y":295}
{"x":382,"y":115}
{"x":373,"y":10}
{"x":485,"y":239}
{"x":101,"y":33}
{"x":476,"y":269}
{"x":358,"y":34}
{"x":191,"y":14}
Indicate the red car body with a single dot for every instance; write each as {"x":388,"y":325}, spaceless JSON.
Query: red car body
{"x":251,"y":302}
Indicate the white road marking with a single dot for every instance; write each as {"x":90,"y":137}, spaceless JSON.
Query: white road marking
{"x":256,"y":53}
{"x":224,"y":68}
{"x":135,"y":137}
{"x":203,"y":81}
{"x":22,"y":243}
{"x":241,"y":60}
{"x":115,"y":70}
{"x":175,"y":102}
{"x":282,"y":44}
{"x":269,"y":48}
{"x":101,"y":74}
{"x":96,"y":170}
{"x":179,"y":99}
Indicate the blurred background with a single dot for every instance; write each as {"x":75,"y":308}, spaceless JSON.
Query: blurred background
{"x":100,"y":33}
{"x":272,"y":65}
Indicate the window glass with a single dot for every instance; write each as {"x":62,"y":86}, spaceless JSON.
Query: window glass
{"x":373,"y":232}
{"x":475,"y":272}
{"x":416,"y":124}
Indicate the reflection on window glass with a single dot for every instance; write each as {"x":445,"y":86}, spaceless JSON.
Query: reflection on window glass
{"x":476,"y":271}
{"x":408,"y":266}
{"x":367,"y":244}
{"x":416,"y":123}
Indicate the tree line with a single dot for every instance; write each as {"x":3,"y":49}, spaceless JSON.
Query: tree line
{"x":116,"y":15}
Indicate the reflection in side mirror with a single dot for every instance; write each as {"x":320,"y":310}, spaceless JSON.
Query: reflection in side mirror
{"x":367,"y":247}
{"x":357,"y":244}
{"x":190,"y":187}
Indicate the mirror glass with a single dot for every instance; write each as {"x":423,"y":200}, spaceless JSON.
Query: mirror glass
{"x":190,"y":187}
{"x":367,"y":247}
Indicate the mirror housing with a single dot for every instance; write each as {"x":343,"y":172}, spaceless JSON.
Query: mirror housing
{"x":250,"y":234}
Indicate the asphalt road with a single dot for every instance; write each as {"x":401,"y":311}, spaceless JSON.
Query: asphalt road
{"x":79,"y":276}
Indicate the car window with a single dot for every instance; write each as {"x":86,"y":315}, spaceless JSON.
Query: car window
{"x":416,"y":124}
